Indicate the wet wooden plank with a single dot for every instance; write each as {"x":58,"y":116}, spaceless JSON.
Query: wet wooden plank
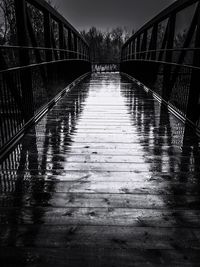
{"x":89,"y":183}
{"x":46,"y":236}
{"x":102,"y":216}
{"x":89,"y":200}
{"x":96,"y":157}
{"x":108,"y":166}
{"x":106,"y":178}
{"x":152,"y":188}
{"x":92,"y":256}
{"x":109,"y":187}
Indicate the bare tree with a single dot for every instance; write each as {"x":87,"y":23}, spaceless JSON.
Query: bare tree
{"x":7,"y":22}
{"x":106,"y":46}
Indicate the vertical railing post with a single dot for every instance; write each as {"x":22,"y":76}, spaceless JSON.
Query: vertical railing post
{"x":144,"y":44}
{"x":168,"y":57}
{"x":78,"y":49}
{"x":138,"y":47}
{"x":75,"y":46}
{"x":130,"y":50}
{"x":47,"y":35}
{"x":25,"y":75}
{"x":48,"y":45}
{"x":127,"y":52}
{"x":127,"y":56}
{"x":83,"y":51}
{"x":153,"y":45}
{"x":89,"y":54}
{"x":133,"y":49}
{"x":193,"y":107}
{"x":70,"y":43}
{"x":61,"y":39}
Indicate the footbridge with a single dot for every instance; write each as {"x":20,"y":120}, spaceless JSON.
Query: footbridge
{"x":100,"y":162}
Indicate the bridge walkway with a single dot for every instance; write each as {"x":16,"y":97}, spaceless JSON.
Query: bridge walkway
{"x":107,"y":178}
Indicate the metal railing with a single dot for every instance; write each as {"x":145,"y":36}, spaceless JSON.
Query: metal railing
{"x":165,"y":55}
{"x":45,"y":59}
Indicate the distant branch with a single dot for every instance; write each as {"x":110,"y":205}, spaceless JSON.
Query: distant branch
{"x":106,"y":46}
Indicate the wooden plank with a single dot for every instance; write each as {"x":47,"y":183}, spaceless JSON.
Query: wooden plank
{"x":101,"y":237}
{"x":102,"y":216}
{"x":65,"y":175}
{"x":97,"y":192}
{"x":109,"y":158}
{"x":81,"y":187}
{"x":88,"y":200}
{"x":129,"y":188}
{"x":92,"y":256}
{"x":108,"y":167}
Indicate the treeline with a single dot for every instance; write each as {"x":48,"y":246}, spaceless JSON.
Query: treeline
{"x":106,"y":46}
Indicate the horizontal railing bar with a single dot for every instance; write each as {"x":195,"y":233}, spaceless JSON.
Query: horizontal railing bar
{"x":163,"y":62}
{"x":166,"y":50}
{"x":36,"y":48}
{"x":41,"y":64}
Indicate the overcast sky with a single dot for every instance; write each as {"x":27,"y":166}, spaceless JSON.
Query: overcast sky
{"x":106,"y":14}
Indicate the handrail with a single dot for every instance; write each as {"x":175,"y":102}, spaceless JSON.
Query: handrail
{"x":173,"y":8}
{"x":31,"y":74}
{"x":36,"y":48}
{"x":164,"y":54}
{"x":164,"y":62}
{"x":41,"y":4}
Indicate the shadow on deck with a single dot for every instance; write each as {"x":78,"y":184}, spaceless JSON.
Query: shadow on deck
{"x":107,"y":178}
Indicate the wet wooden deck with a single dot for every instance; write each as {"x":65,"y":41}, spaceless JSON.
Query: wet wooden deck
{"x":107,"y":178}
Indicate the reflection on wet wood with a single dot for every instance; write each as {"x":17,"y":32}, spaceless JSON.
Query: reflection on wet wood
{"x":107,"y":178}
{"x":102,"y":216}
{"x":94,"y":200}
